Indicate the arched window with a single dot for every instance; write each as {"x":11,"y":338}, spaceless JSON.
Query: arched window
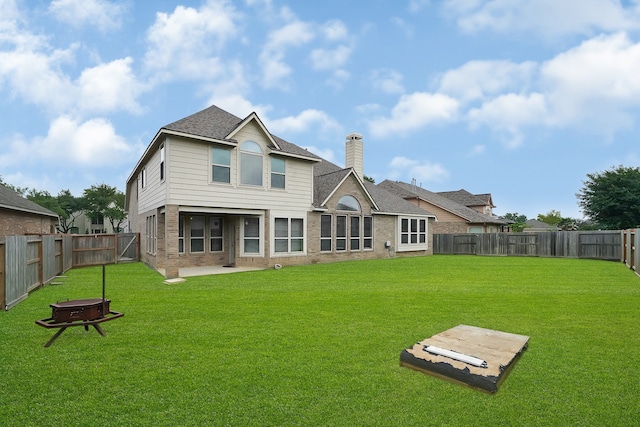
{"x":250,"y":163}
{"x":348,"y":203}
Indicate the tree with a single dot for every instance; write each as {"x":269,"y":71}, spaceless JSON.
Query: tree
{"x":519,"y":221}
{"x":612,"y":198}
{"x":20,"y":190}
{"x":104,"y":201}
{"x":70,"y":208}
{"x":552,"y":217}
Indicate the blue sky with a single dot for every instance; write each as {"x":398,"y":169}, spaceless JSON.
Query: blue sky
{"x":517,"y":98}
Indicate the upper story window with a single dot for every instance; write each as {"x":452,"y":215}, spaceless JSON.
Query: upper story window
{"x":348,"y":203}
{"x":277,"y":172}
{"x":250,"y":163}
{"x":221,"y":165}
{"x":143,"y":178}
{"x":162,"y":162}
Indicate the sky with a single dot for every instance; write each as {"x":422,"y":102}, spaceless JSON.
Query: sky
{"x":517,"y":98}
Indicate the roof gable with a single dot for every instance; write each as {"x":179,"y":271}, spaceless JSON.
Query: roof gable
{"x":253,"y":118}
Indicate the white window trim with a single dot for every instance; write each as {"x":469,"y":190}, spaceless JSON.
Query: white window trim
{"x":405,"y":247}
{"x":260,"y":253}
{"x":289,"y":217}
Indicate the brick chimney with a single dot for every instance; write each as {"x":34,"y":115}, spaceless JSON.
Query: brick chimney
{"x":355,"y":153}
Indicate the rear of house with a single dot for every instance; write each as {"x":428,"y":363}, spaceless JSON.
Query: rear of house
{"x":19,"y":216}
{"x":214,"y":189}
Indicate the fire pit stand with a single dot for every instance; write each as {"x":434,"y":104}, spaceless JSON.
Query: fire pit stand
{"x":81,"y":312}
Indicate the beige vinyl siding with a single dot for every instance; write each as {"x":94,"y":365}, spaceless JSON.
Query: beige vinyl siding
{"x":154,"y":193}
{"x":189,"y":170}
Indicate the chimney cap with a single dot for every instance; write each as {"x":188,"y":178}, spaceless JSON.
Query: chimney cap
{"x":354,"y":136}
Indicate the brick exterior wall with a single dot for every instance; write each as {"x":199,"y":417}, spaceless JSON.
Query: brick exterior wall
{"x":20,"y":223}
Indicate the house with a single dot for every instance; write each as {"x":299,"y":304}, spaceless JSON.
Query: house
{"x":214,"y":189}
{"x":22,"y":216}
{"x":455,"y":211}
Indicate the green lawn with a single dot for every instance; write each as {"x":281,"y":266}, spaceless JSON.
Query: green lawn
{"x":320,"y":345}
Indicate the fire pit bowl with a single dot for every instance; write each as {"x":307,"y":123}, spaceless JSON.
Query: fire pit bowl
{"x":80,"y":309}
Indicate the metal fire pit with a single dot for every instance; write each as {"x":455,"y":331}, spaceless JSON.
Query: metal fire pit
{"x":81,"y":312}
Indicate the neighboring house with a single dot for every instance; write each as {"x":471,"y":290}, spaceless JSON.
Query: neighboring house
{"x":482,"y":203}
{"x":82,"y":224}
{"x":22,"y":216}
{"x":215,"y":189}
{"x":535,"y":226}
{"x":455,"y":211}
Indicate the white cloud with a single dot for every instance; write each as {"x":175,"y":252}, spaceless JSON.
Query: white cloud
{"x":303,"y":122}
{"x":89,"y":144}
{"x":334,"y":30}
{"x":548,"y":18}
{"x":422,"y":170}
{"x":479,"y":79}
{"x":274,"y":68}
{"x":509,"y":114}
{"x":387,"y":81}
{"x":595,"y":82}
{"x":415,"y":111}
{"x":183,"y":45}
{"x":329,"y":59}
{"x":100,"y":14}
{"x":110,"y":87}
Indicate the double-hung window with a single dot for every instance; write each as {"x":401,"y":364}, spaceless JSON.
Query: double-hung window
{"x":413,"y":233}
{"x":289,"y":235}
{"x":326,"y":233}
{"x":220,"y":165}
{"x":162,"y":162}
{"x":278,"y":172}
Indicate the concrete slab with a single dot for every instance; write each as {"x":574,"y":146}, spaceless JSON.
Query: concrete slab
{"x":476,"y":357}
{"x":214,"y":269}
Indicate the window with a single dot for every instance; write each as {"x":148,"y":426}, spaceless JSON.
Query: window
{"x":215,"y":234}
{"x":348,"y":203}
{"x":143,"y":178}
{"x":251,"y":235}
{"x":181,"y":234}
{"x":277,"y":172}
{"x":221,"y":165}
{"x":289,"y":235}
{"x":341,"y":233}
{"x":250,"y":163}
{"x":413,"y":232}
{"x":367,"y":232}
{"x":197,"y":234}
{"x":162,"y":162}
{"x":151,"y":229}
{"x":355,"y":234}
{"x":325,"y":233}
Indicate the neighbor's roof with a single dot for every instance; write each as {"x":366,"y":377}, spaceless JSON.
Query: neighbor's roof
{"x":9,"y":199}
{"x":407,"y":191}
{"x":467,"y":199}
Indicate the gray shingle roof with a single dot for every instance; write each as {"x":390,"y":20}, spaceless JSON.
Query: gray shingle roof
{"x":213,"y":122}
{"x":9,"y":199}
{"x":327,"y":176}
{"x":406,"y":190}
{"x":464,"y":198}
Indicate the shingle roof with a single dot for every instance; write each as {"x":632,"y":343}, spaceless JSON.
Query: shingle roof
{"x":327,"y":176}
{"x":463,"y":197}
{"x":213,"y":122}
{"x":406,"y":190}
{"x":9,"y":199}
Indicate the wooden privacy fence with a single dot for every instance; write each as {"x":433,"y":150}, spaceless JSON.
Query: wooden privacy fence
{"x":605,"y":245}
{"x":631,"y":244}
{"x":28,"y":262}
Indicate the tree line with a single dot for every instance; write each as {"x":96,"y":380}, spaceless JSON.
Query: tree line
{"x":98,"y":202}
{"x":609,"y":199}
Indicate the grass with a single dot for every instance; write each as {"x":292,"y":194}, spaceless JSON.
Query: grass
{"x":320,"y":345}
